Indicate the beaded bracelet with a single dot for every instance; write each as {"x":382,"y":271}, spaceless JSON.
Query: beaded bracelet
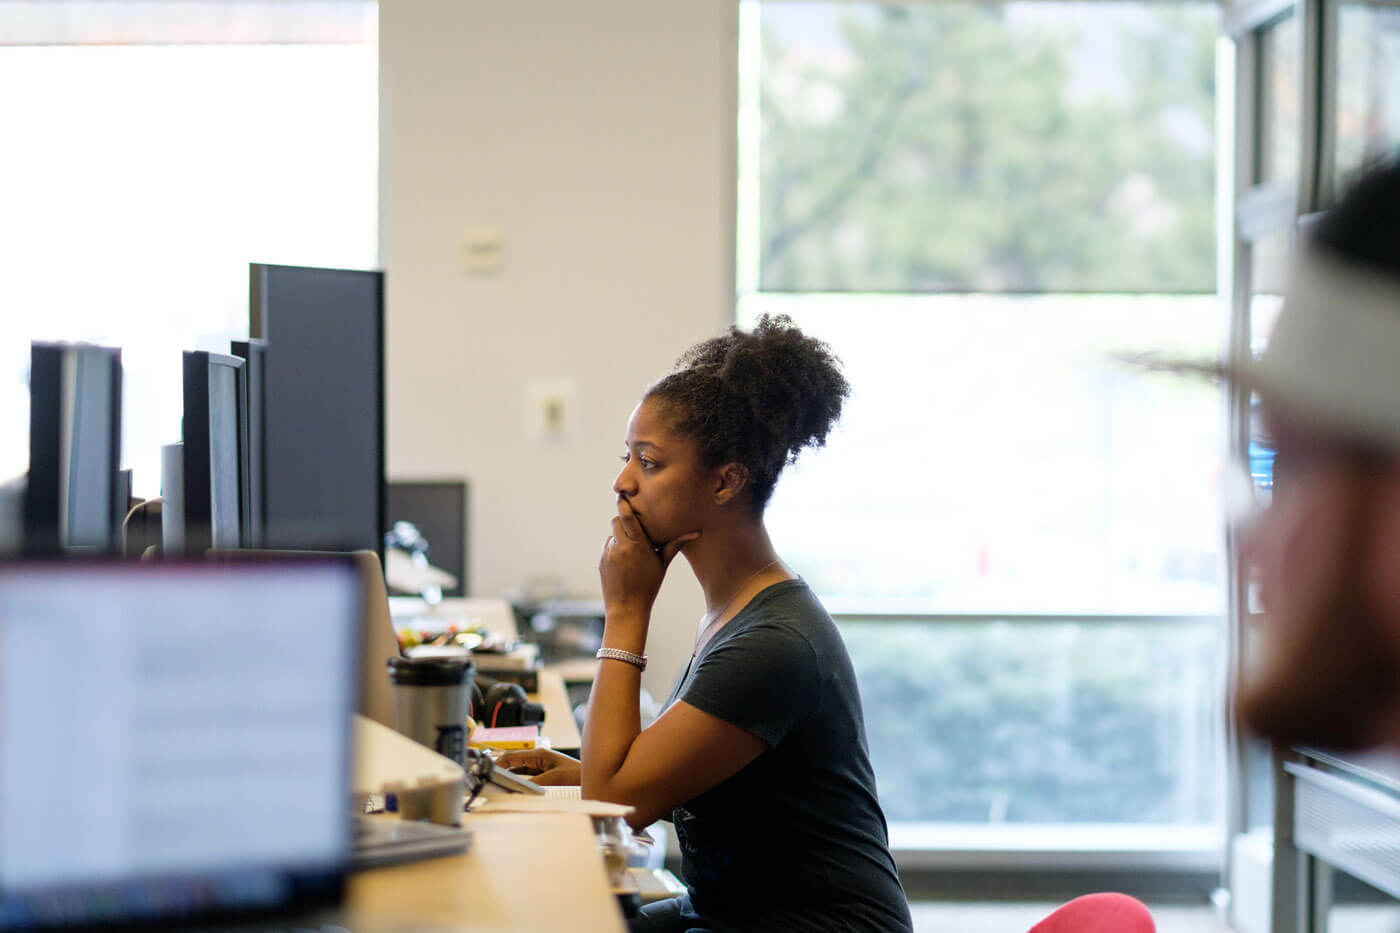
{"x":639,"y":661}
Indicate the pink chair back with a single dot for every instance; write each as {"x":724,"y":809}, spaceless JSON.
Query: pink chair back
{"x":1099,"y":913}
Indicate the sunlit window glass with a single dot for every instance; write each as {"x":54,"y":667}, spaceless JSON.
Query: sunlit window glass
{"x":982,"y":208}
{"x":1020,"y":147}
{"x":1368,"y":86}
{"x":139,"y":180}
{"x":1280,"y":139}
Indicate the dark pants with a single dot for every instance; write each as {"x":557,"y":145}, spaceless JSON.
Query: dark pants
{"x":674,"y":915}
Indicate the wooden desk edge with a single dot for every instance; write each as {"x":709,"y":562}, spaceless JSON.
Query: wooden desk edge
{"x":559,"y":725}
{"x":523,"y":872}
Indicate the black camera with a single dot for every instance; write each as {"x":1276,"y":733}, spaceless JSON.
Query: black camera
{"x":502,"y":703}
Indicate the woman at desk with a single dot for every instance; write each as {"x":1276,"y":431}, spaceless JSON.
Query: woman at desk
{"x":760,"y":758}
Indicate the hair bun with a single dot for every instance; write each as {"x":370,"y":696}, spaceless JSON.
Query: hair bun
{"x":758,"y":397}
{"x":791,"y":382}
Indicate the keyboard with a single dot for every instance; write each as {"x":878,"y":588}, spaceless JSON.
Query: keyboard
{"x":565,"y":792}
{"x":386,"y":841}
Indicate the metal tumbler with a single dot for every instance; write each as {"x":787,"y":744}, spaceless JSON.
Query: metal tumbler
{"x":431,"y":699}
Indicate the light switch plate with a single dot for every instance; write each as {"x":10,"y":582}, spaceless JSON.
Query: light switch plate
{"x":551,"y":411}
{"x":483,"y":250}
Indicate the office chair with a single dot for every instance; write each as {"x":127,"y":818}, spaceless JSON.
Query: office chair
{"x":1099,"y":913}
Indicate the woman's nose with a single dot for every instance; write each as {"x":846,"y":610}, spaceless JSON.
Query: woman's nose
{"x":623,"y":484}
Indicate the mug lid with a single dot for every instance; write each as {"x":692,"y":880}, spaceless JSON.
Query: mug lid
{"x":430,"y":672}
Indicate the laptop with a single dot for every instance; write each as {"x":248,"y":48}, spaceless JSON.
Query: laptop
{"x":175,"y":743}
{"x":378,"y":641}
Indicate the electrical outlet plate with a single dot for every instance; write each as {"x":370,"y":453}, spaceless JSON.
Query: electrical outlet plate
{"x":483,"y":250}
{"x":551,"y":411}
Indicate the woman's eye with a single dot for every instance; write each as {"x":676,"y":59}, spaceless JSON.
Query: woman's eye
{"x":625,"y":458}
{"x":647,"y":464}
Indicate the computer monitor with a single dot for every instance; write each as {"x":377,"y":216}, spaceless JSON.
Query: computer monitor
{"x":252,"y":353}
{"x":215,"y":470}
{"x":73,"y":501}
{"x":438,"y":509}
{"x":175,"y":741}
{"x":323,"y":405}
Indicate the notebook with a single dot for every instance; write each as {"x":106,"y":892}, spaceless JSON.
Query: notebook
{"x":505,"y":737}
{"x":564,"y":792}
{"x":174,"y":741}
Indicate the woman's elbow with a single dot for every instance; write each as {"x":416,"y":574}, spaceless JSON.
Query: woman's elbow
{"x":643,"y":816}
{"x":638,"y":822}
{"x":644,"y":811}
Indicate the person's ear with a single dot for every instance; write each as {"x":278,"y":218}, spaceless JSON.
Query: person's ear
{"x":730,"y":480}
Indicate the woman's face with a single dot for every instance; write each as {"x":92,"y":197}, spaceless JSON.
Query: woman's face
{"x":661,"y":477}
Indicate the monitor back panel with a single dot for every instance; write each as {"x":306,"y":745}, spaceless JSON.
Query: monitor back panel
{"x":323,"y":406}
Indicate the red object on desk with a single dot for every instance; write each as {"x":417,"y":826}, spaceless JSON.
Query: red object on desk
{"x":1099,"y":913}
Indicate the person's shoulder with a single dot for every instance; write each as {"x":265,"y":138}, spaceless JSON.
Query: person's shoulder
{"x":788,"y":595}
{"x":782,"y":600}
{"x":791,"y":607}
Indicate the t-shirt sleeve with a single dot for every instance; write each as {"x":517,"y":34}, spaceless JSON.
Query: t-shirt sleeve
{"x":764,"y":680}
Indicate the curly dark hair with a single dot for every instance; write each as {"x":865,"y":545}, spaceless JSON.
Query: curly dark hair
{"x":1364,"y":226}
{"x":757,"y":398}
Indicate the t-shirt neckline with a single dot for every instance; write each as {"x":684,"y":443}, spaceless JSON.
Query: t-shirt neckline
{"x":762,"y":596}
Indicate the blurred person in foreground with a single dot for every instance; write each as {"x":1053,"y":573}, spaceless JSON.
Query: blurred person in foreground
{"x":1327,"y":549}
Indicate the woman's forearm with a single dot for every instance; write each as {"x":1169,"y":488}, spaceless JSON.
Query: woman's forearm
{"x":614,"y":709}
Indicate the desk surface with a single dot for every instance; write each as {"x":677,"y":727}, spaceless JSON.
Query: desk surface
{"x":559,"y":727}
{"x":524,"y":872}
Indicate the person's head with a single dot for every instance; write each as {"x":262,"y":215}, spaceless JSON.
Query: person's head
{"x":710,"y":438}
{"x":1327,"y":550}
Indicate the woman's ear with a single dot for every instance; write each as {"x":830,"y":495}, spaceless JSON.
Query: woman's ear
{"x":730,"y":481}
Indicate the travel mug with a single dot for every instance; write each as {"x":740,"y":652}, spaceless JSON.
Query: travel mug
{"x":431,"y":700}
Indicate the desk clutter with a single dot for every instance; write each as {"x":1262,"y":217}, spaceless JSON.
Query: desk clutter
{"x":424,"y":785}
{"x":497,"y":654}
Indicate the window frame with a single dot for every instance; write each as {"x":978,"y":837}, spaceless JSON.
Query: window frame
{"x":1260,"y":210}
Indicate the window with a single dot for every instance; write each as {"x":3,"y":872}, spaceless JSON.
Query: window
{"x":981,"y":206}
{"x":1280,"y":131}
{"x":1269,"y":263}
{"x":1368,"y":86}
{"x":995,"y":721}
{"x":140,"y":179}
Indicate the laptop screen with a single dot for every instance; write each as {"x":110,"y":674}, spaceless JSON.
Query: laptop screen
{"x":174,"y":739}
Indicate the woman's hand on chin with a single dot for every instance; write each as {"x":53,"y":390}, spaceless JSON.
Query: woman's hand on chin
{"x":632,"y":567}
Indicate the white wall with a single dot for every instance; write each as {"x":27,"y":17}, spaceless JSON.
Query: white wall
{"x":599,"y":138}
